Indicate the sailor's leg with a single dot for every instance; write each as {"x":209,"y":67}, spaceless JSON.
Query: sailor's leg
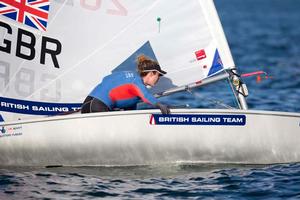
{"x":98,"y":106}
{"x":86,"y":107}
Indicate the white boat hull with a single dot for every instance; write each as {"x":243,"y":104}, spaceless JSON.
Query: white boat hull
{"x":128,"y":138}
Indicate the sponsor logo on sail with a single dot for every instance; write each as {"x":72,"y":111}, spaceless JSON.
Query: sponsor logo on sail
{"x":36,"y":108}
{"x":203,"y":119}
{"x":200,"y":54}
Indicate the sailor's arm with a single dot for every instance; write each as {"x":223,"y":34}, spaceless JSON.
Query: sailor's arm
{"x":147,"y":97}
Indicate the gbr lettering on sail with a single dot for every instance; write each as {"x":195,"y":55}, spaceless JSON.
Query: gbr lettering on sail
{"x":27,"y":41}
{"x":25,"y":45}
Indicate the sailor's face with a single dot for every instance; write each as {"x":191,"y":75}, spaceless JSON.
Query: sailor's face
{"x":153,"y":78}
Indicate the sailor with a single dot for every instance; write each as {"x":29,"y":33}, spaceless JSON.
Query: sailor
{"x":123,"y":90}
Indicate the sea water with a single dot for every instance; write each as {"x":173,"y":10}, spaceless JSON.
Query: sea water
{"x":263,"y":35}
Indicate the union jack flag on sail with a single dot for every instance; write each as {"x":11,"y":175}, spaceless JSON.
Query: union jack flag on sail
{"x":33,"y":13}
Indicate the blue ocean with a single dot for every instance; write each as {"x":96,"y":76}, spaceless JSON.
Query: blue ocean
{"x":264,"y":35}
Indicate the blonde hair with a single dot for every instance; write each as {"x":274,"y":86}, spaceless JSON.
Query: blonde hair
{"x":144,"y":63}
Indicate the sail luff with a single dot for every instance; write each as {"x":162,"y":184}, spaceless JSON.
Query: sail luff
{"x":217,"y":31}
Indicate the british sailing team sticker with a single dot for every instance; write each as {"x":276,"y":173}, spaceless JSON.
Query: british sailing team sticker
{"x":203,"y":119}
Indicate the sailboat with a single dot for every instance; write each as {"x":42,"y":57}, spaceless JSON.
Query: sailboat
{"x":52,"y":53}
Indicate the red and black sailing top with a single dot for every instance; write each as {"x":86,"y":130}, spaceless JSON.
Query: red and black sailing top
{"x":122,"y":90}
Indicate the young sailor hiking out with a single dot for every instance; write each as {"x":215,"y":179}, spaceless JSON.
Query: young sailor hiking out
{"x":123,"y":90}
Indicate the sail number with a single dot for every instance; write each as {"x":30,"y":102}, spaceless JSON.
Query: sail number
{"x":116,"y":7}
{"x":26,"y":41}
{"x":25,"y":81}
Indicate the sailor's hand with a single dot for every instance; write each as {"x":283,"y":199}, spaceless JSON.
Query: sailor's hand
{"x":163,"y":108}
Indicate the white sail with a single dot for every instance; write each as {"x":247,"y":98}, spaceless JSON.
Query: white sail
{"x":51,"y":59}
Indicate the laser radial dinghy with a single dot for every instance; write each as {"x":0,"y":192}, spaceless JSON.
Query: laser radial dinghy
{"x":52,"y":53}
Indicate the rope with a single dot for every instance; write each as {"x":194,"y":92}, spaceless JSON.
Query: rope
{"x":212,"y":100}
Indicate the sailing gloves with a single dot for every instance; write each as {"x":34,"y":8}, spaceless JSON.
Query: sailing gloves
{"x":163,"y":108}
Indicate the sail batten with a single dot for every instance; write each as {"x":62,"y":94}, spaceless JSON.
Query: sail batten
{"x":82,"y":43}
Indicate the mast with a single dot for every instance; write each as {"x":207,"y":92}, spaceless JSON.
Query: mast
{"x":240,"y":89}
